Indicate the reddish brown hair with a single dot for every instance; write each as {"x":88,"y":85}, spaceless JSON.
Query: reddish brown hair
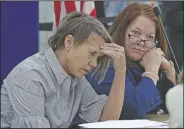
{"x":127,"y":16}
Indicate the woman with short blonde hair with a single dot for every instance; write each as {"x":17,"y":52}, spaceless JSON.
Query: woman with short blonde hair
{"x":48,"y":89}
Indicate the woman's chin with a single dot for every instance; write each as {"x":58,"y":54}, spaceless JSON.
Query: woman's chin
{"x":136,"y":58}
{"x":79,"y":75}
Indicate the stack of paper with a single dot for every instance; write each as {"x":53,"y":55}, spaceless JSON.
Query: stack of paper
{"x":126,"y":124}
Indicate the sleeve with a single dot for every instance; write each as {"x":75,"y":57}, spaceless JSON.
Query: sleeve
{"x":91,"y":105}
{"x":26,"y":95}
{"x":169,"y":98}
{"x":140,"y":98}
{"x":174,"y":104}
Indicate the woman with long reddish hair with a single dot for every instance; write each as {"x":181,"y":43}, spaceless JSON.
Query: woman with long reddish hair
{"x":149,"y":74}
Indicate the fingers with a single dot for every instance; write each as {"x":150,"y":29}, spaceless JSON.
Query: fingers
{"x":113,"y":45}
{"x":115,"y":51}
{"x":111,"y":53}
{"x":158,"y":50}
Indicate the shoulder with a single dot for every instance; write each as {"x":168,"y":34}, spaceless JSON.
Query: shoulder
{"x":32,"y":63}
{"x":175,"y":90}
{"x":31,"y":70}
{"x":83,"y":82}
{"x":174,"y":94}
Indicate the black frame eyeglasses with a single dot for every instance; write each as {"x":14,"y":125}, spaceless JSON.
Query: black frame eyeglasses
{"x":147,"y":43}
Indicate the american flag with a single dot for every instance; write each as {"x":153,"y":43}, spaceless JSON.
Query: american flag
{"x":61,"y":8}
{"x":52,"y":12}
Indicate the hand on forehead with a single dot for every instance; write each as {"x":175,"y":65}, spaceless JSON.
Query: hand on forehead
{"x":95,"y":42}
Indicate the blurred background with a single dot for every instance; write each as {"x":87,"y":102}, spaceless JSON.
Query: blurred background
{"x":26,"y":26}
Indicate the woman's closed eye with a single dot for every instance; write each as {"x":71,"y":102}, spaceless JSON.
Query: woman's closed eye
{"x":93,"y":53}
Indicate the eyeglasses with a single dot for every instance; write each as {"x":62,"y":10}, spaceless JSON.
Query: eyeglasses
{"x":147,"y":43}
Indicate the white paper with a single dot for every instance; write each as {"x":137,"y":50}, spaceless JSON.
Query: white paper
{"x":126,"y":124}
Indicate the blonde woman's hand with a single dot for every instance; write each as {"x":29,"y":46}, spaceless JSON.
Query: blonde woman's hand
{"x":117,"y":53}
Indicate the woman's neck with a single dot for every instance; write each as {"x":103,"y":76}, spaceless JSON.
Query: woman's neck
{"x":133,"y":64}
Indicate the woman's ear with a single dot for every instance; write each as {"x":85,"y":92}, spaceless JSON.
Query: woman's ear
{"x":68,"y":42}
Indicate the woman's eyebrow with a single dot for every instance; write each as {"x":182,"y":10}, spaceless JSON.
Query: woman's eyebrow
{"x":151,"y":33}
{"x":141,"y":31}
{"x":138,"y":28}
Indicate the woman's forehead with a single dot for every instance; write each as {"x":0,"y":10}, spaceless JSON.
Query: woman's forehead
{"x":144,"y":24}
{"x":96,"y":48}
{"x":95,"y":41}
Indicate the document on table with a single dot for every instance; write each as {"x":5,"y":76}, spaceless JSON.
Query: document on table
{"x":126,"y":124}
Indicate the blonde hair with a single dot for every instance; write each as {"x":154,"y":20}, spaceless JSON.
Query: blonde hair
{"x":81,"y":26}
